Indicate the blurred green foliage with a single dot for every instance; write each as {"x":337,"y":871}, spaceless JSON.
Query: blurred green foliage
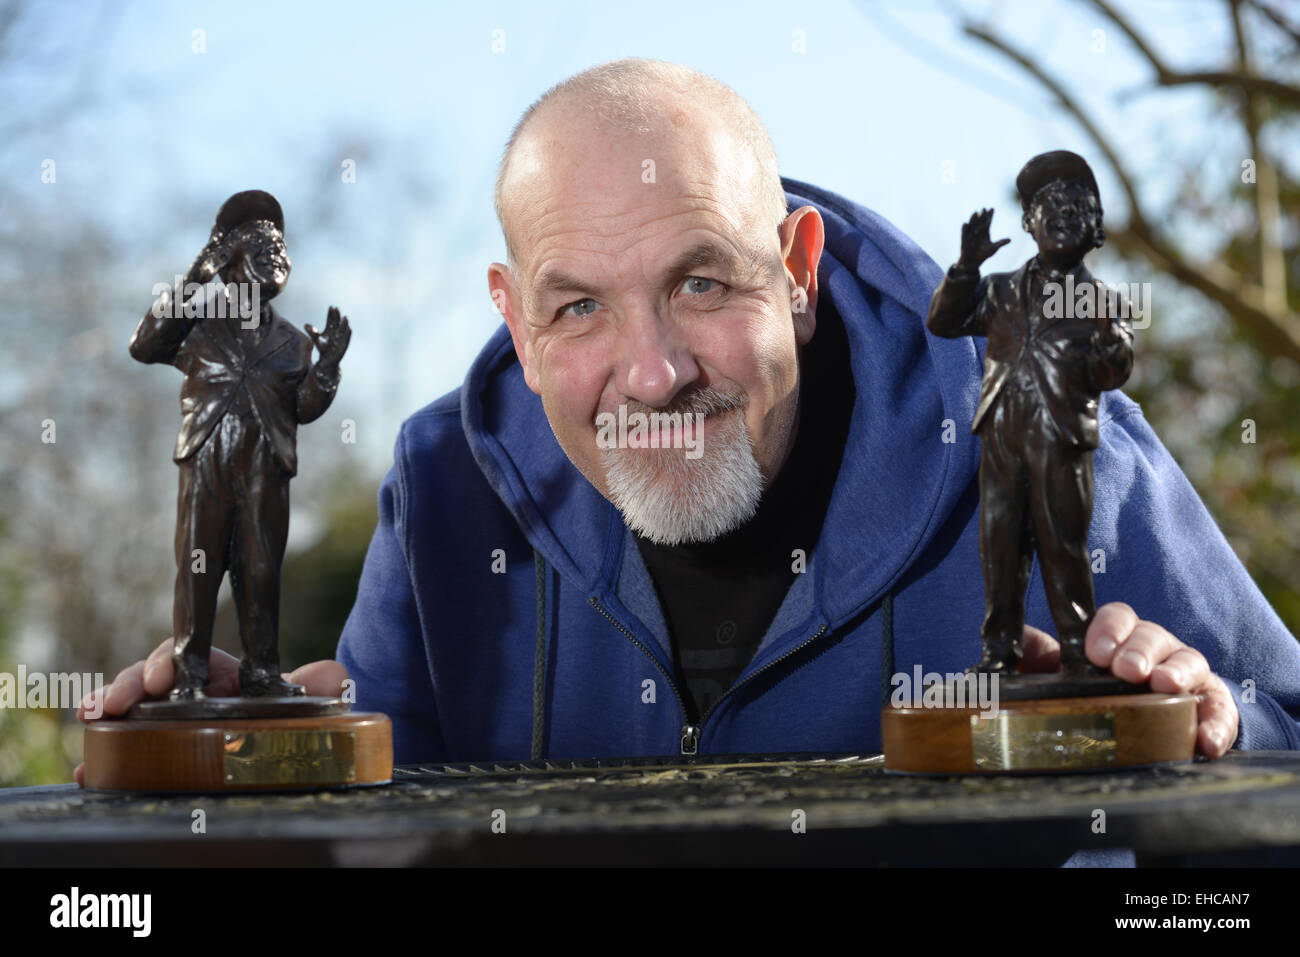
{"x":318,"y":585}
{"x":1227,"y":405}
{"x":35,"y":747}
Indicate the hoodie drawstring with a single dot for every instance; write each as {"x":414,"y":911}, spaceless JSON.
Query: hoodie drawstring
{"x":539,"y":660}
{"x":886,"y":647}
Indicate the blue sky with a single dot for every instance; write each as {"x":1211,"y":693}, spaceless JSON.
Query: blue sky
{"x":885,"y":98}
{"x":150,"y":135}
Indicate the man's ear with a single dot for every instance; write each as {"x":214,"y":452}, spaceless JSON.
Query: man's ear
{"x":803,"y":237}
{"x":505,"y":296}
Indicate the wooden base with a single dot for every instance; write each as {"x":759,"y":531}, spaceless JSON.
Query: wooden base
{"x":250,"y":754}
{"x":1043,"y":734}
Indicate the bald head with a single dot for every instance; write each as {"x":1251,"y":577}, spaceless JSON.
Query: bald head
{"x":633,"y":111}
{"x":653,"y":266}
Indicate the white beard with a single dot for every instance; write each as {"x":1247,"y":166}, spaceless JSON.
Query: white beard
{"x":672,"y":500}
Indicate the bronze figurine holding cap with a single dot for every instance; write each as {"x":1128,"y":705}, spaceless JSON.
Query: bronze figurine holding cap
{"x":249,"y":383}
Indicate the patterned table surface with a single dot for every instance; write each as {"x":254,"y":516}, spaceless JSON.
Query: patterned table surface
{"x":792,"y":809}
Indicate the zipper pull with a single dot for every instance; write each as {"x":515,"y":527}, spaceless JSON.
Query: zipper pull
{"x":690,"y":739}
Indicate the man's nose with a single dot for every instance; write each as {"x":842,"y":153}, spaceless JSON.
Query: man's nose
{"x":655,"y":362}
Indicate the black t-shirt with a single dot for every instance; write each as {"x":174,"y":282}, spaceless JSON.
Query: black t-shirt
{"x":719,"y":597}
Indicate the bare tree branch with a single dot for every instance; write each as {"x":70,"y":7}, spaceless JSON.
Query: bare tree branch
{"x":1166,"y":76}
{"x":1272,"y":264}
{"x":1246,"y":301}
{"x":1278,"y":20}
{"x":1243,"y":301}
{"x":1074,"y":109}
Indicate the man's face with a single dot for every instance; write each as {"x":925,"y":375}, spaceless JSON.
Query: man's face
{"x":1064,"y":220}
{"x":656,"y":288}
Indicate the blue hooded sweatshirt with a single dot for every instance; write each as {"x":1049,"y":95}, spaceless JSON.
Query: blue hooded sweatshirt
{"x":504,"y":611}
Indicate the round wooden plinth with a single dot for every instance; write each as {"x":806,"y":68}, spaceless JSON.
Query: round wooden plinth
{"x":251,"y":754}
{"x":1043,"y":734}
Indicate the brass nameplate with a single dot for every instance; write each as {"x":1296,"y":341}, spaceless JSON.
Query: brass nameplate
{"x":289,"y":757}
{"x":1026,"y":742}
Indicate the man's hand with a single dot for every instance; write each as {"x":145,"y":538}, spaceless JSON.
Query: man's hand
{"x":152,"y":678}
{"x":976,"y":246}
{"x":333,"y":342}
{"x":1138,"y":651}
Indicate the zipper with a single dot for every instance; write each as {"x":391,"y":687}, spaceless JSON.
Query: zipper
{"x":821,"y":630}
{"x":690,"y":739}
{"x":691,"y":733}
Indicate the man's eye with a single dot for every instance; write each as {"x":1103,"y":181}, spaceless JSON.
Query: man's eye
{"x":700,"y":284}
{"x":577,"y":307}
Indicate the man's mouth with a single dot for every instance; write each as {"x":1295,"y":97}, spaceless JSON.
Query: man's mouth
{"x":644,"y":427}
{"x":677,"y":431}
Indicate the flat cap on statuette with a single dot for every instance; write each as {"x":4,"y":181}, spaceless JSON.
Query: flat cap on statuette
{"x":1058,"y":164}
{"x":249,"y":205}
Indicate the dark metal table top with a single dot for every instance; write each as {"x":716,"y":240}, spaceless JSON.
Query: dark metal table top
{"x":790,"y":809}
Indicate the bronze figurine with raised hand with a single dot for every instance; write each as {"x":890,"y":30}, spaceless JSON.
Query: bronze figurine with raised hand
{"x":1037,"y":412}
{"x":1057,"y":338}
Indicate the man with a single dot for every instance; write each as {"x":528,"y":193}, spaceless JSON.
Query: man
{"x":1037,"y":417}
{"x":249,"y":382}
{"x":513,"y":603}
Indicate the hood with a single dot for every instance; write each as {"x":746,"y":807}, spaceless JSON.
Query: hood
{"x":898,"y":479}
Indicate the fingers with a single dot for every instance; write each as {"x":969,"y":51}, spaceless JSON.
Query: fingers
{"x":1147,"y":646}
{"x":1042,"y":652}
{"x":336,"y":331}
{"x":223,"y":674}
{"x":338,"y":325}
{"x":1186,"y":670}
{"x":1142,"y":651}
{"x":158,"y":670}
{"x":1216,"y":718}
{"x":126,"y":689}
{"x":152,"y":678}
{"x":323,"y":678}
{"x":1138,"y":651}
{"x":1110,"y":626}
{"x":1001,"y":242}
{"x":129,"y":686}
